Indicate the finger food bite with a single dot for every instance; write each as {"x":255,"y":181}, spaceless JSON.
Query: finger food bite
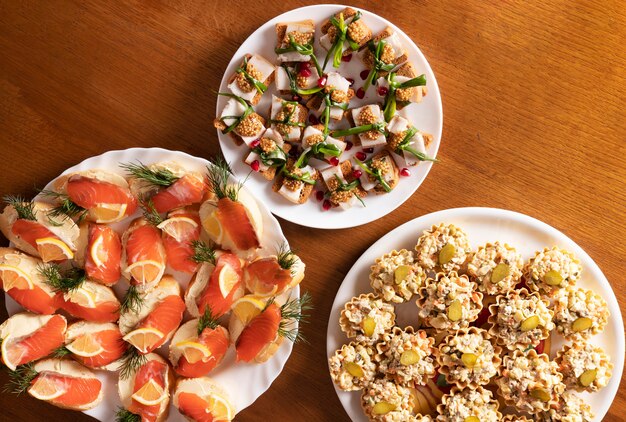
{"x":201,"y":399}
{"x":95,"y":345}
{"x":179,"y":232}
{"x":144,"y":258}
{"x":100,"y":252}
{"x":294,"y":41}
{"x":273,"y":275}
{"x":252,"y":78}
{"x":342,"y":34}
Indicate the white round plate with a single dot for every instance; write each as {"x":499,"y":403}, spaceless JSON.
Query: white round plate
{"x":243,"y":382}
{"x":426,"y":116}
{"x":483,"y":225}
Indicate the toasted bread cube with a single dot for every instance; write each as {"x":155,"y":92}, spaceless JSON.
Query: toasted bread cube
{"x":390,"y":173}
{"x":397,"y":128}
{"x":303,"y":32}
{"x":366,"y":115}
{"x":293,"y":190}
{"x":281,"y":110}
{"x":283,"y":84}
{"x":333,"y":177}
{"x":393,"y":51}
{"x":247,"y":130}
{"x":258,"y":68}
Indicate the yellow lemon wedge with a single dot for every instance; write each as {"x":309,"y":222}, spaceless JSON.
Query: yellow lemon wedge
{"x":247,"y":308}
{"x":150,"y":394}
{"x":147,"y":271}
{"x":46,"y":388}
{"x":220,"y":409}
{"x":213,"y":227}
{"x":85,"y":346}
{"x":194,"y":351}
{"x":14,"y":277}
{"x":53,"y":249}
{"x":108,"y":213}
{"x":144,"y":338}
{"x":227,"y":279}
{"x":178,"y":227}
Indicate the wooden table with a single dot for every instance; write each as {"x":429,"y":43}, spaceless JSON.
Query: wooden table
{"x":533,"y":97}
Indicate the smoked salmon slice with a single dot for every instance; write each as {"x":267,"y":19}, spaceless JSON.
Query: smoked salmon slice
{"x":89,"y":193}
{"x":217,"y":342}
{"x":165,"y":317}
{"x":259,"y":333}
{"x":179,"y":250}
{"x":151,"y":370}
{"x":37,"y":344}
{"x":103,"y":312}
{"x":103,"y":255}
{"x":145,"y":259}
{"x":212,"y":296}
{"x":36,"y":300}
{"x":234,"y":219}
{"x":185,"y":191}
{"x":29,"y":231}
{"x":77,"y":391}
{"x":109,"y":338}
{"x":194,"y":407}
{"x":265,"y":275}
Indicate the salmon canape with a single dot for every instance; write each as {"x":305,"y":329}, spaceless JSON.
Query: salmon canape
{"x":62,"y":383}
{"x":166,"y":186}
{"x":27,"y":337}
{"x":155,"y":318}
{"x":198,"y":346}
{"x":273,"y":275}
{"x":100,"y":253}
{"x":217,"y":284}
{"x":80,"y":297}
{"x":232,"y":218}
{"x":202,"y":400}
{"x":22,"y":280}
{"x":97,"y":195}
{"x":180,"y":230}
{"x":262,"y":335}
{"x":34,"y":228}
{"x":143,"y":258}
{"x":145,"y":392}
{"x":95,"y":345}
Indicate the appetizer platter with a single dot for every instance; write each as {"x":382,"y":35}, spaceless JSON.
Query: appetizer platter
{"x":333,"y":112}
{"x":146,"y":284}
{"x":475,"y":314}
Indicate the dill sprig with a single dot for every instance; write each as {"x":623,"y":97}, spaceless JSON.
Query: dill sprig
{"x":132,"y":301}
{"x":20,"y":379}
{"x":285,"y":257}
{"x":62,"y":280}
{"x":60,"y":352}
{"x":149,"y":212}
{"x":207,"y":320}
{"x":125,"y":415}
{"x":218,"y":174}
{"x":292,"y":313}
{"x":65,"y":207}
{"x":159,"y":178}
{"x":202,"y":252}
{"x":25,"y":209}
{"x":131,"y":361}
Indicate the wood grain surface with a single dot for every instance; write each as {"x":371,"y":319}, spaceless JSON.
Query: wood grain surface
{"x":533,"y":97}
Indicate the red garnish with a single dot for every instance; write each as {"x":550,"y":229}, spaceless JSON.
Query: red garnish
{"x":255,"y":143}
{"x":349,"y":145}
{"x":255,"y":165}
{"x":313,"y":119}
{"x":361,"y":155}
{"x":321,"y":82}
{"x":541,"y":346}
{"x":368,"y":150}
{"x":382,"y":91}
{"x":346,"y":58}
{"x":351,"y":81}
{"x":296,"y":98}
{"x":305,"y":72}
{"x":326,"y":205}
{"x":364,"y":74}
{"x":334,"y":161}
{"x":357,"y":173}
{"x":305,"y":65}
{"x":360,"y":93}
{"x":405,"y":172}
{"x":319,"y":195}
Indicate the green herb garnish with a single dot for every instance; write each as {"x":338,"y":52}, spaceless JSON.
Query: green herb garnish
{"x":124,"y":415}
{"x":25,"y":209}
{"x":347,"y":187}
{"x":60,"y":352}
{"x":133,"y":300}
{"x":260,"y":86}
{"x":158,"y":178}
{"x":285,"y":257}
{"x":65,"y":208}
{"x":379,"y":127}
{"x":238,"y":119}
{"x":202,"y":252}
{"x":336,"y":50}
{"x":62,"y":280}
{"x":375,"y":173}
{"x":303,"y":49}
{"x":131,"y":361}
{"x":218,"y":174}
{"x":292,"y":313}
{"x":150,"y":212}
{"x":20,"y":379}
{"x":379,"y":65}
{"x":287,"y":119}
{"x":207,"y":319}
{"x":404,"y":145}
{"x":389,"y":106}
{"x":293,"y":84}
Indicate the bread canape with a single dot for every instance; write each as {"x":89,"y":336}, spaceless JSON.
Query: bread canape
{"x":143,"y":258}
{"x":407,"y":144}
{"x":383,"y":400}
{"x":552,"y":269}
{"x":396,"y":277}
{"x":288,"y":118}
{"x":343,"y":33}
{"x":99,"y":252}
{"x":400,"y":88}
{"x":239,"y":120}
{"x":369,"y":126}
{"x":252,"y":78}
{"x":95,"y":345}
{"x":407,"y":356}
{"x":301,"y":80}
{"x":296,"y":180}
{"x":268,"y":153}
{"x":344,"y":190}
{"x":570,"y":408}
{"x":379,"y":174}
{"x":382,"y":54}
{"x":179,"y":232}
{"x":275,"y":274}
{"x":584,"y":366}
{"x":294,"y":41}
{"x":333,"y":100}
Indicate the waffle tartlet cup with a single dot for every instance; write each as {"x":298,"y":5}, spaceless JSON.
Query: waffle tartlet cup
{"x":465,"y":294}
{"x":387,"y":270}
{"x":382,"y":390}
{"x":381,"y":312}
{"x":496,"y":268}
{"x":567,"y":311}
{"x":475,"y":396}
{"x":515,"y":418}
{"x":391,"y":351}
{"x":448,"y":362}
{"x":572,"y":372}
{"x":533,"y":393}
{"x":540,"y":270}
{"x":432,"y":241}
{"x":515,"y":338}
{"x":353,"y":353}
{"x":570,"y":408}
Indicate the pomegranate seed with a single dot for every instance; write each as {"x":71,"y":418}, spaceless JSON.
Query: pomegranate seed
{"x":326,"y":205}
{"x":382,"y":91}
{"x":361,"y":155}
{"x":313,"y":120}
{"x":357,"y":173}
{"x":346,"y":58}
{"x":305,"y":65}
{"x":364,"y":74}
{"x":405,"y":172}
{"x":305,"y":72}
{"x":319,"y":195}
{"x":334,"y":161}
{"x":321,"y":82}
{"x":368,"y":150}
{"x":296,"y":98}
{"x":255,"y":143}
{"x":349,"y":145}
{"x":360,"y":93}
{"x":255,"y":165}
{"x":351,"y":81}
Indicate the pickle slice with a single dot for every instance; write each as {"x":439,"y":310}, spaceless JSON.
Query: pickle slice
{"x":553,"y":278}
{"x":354,"y":369}
{"x":447,"y":253}
{"x":581,"y":324}
{"x":469,"y":359}
{"x":455,"y":310}
{"x":471,"y":419}
{"x":409,"y":357}
{"x":500,"y":273}
{"x":401,"y":273}
{"x":383,"y":407}
{"x":369,"y":326}
{"x":587,"y":377}
{"x":530,"y":323}
{"x":540,"y":394}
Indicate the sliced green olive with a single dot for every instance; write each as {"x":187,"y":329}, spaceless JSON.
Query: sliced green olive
{"x":581,"y":324}
{"x":553,"y":278}
{"x":471,"y":419}
{"x":354,"y":369}
{"x":530,"y":323}
{"x":447,"y":253}
{"x":587,"y":377}
{"x":369,"y":326}
{"x":401,"y":273}
{"x":500,"y":273}
{"x":540,"y":394}
{"x":409,"y":357}
{"x":383,"y":407}
{"x":455,"y":310}
{"x":469,"y":359}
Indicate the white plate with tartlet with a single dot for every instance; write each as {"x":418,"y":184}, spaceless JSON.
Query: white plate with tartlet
{"x":483,"y":225}
{"x":427,"y":116}
{"x":257,"y":378}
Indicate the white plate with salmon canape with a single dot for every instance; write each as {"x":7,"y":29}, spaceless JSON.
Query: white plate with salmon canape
{"x":332,"y":110}
{"x":472,"y":314}
{"x":137,"y":287}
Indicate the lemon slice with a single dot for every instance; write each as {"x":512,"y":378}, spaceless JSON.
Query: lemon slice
{"x":213,"y":227}
{"x":150,"y":394}
{"x":45,"y":388}
{"x":220,"y":409}
{"x":11,"y":356}
{"x":178,"y":227}
{"x":194,"y":351}
{"x":14,"y":277}
{"x":147,"y":271}
{"x":228,"y":278}
{"x":97,"y":252}
{"x":81,"y":297}
{"x":261,"y":289}
{"x":247,"y":308}
{"x":108,"y":213}
{"x":85,"y":346}
{"x":144,"y":338}
{"x":53,"y":249}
